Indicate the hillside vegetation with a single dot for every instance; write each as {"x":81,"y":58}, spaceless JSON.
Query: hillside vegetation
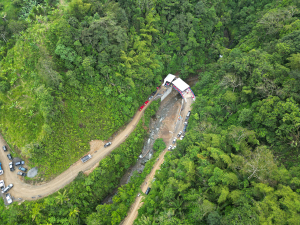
{"x":77,"y":71}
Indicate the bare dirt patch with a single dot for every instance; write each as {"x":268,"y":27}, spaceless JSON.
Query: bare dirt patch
{"x":95,"y":145}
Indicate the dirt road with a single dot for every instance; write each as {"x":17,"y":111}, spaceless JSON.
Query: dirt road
{"x":31,"y":192}
{"x":133,"y":213}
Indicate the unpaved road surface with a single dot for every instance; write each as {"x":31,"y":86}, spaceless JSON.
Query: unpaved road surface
{"x":133,"y":213}
{"x":31,"y":192}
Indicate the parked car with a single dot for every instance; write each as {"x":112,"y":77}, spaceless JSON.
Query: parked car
{"x":182,"y":136}
{"x":150,"y":98}
{"x":1,"y":170}
{"x":174,"y":147}
{"x":21,"y":173}
{"x":86,"y":158}
{"x":22,"y":169}
{"x":174,"y":141}
{"x":4,"y":148}
{"x":188,"y":114}
{"x":11,"y":167}
{"x":22,"y":162}
{"x":148,"y":190}
{"x":8,"y":198}
{"x":2,"y":185}
{"x":170,"y":147}
{"x":178,"y":135}
{"x":7,"y":188}
{"x":185,"y":126}
{"x":146,"y":102}
{"x":107,"y":144}
{"x":9,"y":157}
{"x":18,"y":163}
{"x":141,"y":107}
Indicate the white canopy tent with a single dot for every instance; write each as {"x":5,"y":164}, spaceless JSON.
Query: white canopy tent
{"x":180,"y":84}
{"x":169,"y":78}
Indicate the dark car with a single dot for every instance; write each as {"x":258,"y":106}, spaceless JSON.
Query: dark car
{"x":107,"y":144}
{"x":9,"y":157}
{"x":4,"y":148}
{"x":22,"y":169}
{"x":21,"y":173}
{"x":148,"y":190}
{"x":11,"y":167}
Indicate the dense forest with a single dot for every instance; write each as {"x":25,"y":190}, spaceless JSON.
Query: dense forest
{"x":73,"y":71}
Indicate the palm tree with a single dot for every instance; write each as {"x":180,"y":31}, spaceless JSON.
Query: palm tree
{"x":62,"y":197}
{"x":73,"y":215}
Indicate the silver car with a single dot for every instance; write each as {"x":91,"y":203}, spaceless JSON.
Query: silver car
{"x":8,"y":198}
{"x":7,"y":188}
{"x":170,"y":147}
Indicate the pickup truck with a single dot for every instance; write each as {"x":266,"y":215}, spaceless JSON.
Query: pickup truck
{"x":1,"y":170}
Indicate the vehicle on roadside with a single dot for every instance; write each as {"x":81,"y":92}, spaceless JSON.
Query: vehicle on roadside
{"x":1,"y":170}
{"x":7,"y":188}
{"x":146,"y":102}
{"x":11,"y":167}
{"x":170,"y":147}
{"x":86,"y":158}
{"x":174,"y":141}
{"x":141,"y":107}
{"x":2,"y":185}
{"x":150,"y":98}
{"x":188,"y":114}
{"x":182,"y":136}
{"x":107,"y":144}
{"x":174,"y":147}
{"x":8,"y":198}
{"x":19,"y":163}
{"x":21,"y":173}
{"x":178,"y":135}
{"x":148,"y":191}
{"x":22,"y":169}
{"x":9,"y":157}
{"x":185,"y":126}
{"x":4,"y":148}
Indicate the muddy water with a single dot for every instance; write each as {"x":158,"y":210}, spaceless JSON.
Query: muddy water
{"x":155,"y":126}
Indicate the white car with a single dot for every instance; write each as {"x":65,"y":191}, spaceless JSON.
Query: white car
{"x":8,"y":198}
{"x":178,"y":135}
{"x":7,"y":188}
{"x":107,"y":144}
{"x":170,"y":147}
{"x":2,"y":185}
{"x":11,"y":166}
{"x":174,"y":147}
{"x":174,"y":141}
{"x":181,"y":137}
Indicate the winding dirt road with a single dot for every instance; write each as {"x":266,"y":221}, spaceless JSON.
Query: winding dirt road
{"x":31,"y":192}
{"x":133,"y":213}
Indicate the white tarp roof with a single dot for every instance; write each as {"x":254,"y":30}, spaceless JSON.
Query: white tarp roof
{"x":169,"y":78}
{"x":180,"y":84}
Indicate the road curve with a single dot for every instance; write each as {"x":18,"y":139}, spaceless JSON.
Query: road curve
{"x":31,"y":192}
